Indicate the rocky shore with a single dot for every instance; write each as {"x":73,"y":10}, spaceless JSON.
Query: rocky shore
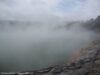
{"x":88,"y":63}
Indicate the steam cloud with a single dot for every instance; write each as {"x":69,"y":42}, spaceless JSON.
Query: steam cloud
{"x":36,"y":33}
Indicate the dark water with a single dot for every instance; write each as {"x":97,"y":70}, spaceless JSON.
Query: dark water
{"x":38,"y":48}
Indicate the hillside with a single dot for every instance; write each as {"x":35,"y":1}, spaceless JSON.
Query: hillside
{"x":93,"y":24}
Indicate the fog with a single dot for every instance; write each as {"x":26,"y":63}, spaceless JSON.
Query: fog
{"x":36,"y":34}
{"x":29,"y":47}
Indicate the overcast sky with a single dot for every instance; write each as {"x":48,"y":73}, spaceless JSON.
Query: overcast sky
{"x":43,"y":9}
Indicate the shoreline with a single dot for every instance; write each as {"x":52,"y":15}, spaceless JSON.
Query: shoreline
{"x":86,"y":63}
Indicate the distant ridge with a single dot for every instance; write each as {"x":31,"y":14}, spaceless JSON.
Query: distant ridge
{"x":93,"y":24}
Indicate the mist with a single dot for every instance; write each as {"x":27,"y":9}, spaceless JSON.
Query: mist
{"x":35,"y":34}
{"x":28,"y":47}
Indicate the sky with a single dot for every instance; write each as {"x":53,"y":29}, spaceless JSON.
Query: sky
{"x":49,"y":9}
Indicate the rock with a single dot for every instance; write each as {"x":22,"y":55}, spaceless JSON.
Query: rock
{"x":97,"y":62}
{"x":57,"y":70}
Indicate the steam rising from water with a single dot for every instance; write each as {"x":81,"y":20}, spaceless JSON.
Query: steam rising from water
{"x":33,"y":34}
{"x":33,"y":47}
